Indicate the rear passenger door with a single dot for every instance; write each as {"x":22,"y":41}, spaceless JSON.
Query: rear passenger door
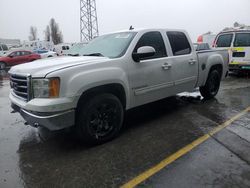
{"x":183,"y":60}
{"x":26,"y":56}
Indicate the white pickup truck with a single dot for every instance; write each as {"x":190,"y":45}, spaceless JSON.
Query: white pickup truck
{"x":113,"y":73}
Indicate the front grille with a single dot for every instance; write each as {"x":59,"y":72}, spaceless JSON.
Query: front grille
{"x":20,"y":86}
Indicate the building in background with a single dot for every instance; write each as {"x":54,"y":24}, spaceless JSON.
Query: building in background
{"x":38,"y":45}
{"x":11,"y":43}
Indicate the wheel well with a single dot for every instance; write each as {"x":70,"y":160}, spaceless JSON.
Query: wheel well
{"x":115,"y":89}
{"x":217,"y":67}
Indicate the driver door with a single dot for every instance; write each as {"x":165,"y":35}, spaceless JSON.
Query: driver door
{"x":15,"y":58}
{"x":151,"y":78}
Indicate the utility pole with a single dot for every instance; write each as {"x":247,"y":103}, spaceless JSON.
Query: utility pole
{"x":88,"y":20}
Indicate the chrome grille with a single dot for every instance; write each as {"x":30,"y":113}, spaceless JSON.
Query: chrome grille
{"x":20,"y":86}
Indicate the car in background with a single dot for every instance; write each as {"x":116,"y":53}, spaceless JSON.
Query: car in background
{"x":3,"y":49}
{"x":45,"y":53}
{"x":17,"y":57}
{"x":207,"y":38}
{"x":62,"y":49}
{"x":237,"y":41}
{"x":201,"y":46}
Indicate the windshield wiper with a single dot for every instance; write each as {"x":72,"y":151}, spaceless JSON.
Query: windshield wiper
{"x":94,"y":54}
{"x":73,"y":54}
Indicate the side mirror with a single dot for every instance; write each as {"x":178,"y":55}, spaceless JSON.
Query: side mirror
{"x":11,"y":56}
{"x":143,"y":52}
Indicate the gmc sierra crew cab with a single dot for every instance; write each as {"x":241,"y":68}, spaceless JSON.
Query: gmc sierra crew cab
{"x":111,"y":74}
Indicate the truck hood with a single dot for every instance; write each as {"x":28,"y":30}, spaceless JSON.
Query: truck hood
{"x":42,"y":67}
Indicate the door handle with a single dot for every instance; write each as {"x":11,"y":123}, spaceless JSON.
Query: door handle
{"x":166,"y":66}
{"x":192,"y":61}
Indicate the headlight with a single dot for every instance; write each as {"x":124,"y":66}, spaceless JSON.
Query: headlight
{"x":46,"y":88}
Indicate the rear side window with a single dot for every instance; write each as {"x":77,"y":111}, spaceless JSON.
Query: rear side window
{"x":179,"y":43}
{"x":224,"y":40}
{"x":26,"y":53}
{"x":242,"y":39}
{"x":153,"y":39}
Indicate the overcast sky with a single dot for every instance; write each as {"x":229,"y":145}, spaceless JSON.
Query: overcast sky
{"x":195,"y":16}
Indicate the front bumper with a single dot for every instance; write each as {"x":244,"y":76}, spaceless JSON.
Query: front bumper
{"x":50,"y":120}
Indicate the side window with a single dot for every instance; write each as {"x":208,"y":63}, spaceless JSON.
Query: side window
{"x":224,"y":40}
{"x":14,"y":54}
{"x":242,"y":39}
{"x":65,"y":47}
{"x":179,"y":43}
{"x":26,"y":53}
{"x":153,"y":39}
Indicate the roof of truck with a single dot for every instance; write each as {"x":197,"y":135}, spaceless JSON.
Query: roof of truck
{"x":146,"y":29}
{"x":236,"y":31}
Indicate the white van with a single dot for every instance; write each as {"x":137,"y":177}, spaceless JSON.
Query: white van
{"x":3,"y":49}
{"x":238,"y":44}
{"x":62,"y":49}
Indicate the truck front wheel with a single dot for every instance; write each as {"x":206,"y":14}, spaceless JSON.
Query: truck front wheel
{"x":99,"y":119}
{"x":211,"y":88}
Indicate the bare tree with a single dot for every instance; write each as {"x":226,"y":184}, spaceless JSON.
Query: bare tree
{"x":33,"y":33}
{"x":56,"y":34}
{"x":47,"y":34}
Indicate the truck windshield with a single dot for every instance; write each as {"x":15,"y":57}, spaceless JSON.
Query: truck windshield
{"x":110,"y":45}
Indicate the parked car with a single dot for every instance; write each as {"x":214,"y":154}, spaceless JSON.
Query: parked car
{"x":3,"y":49}
{"x":45,"y":53}
{"x":238,"y":43}
{"x":201,"y":46}
{"x":116,"y":72}
{"x":207,"y":38}
{"x":17,"y":57}
{"x":62,"y":49}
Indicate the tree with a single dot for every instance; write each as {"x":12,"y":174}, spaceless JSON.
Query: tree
{"x":33,"y":33}
{"x":55,"y":33}
{"x":47,"y":34}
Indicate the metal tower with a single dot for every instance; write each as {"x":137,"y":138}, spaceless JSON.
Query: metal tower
{"x":88,"y":20}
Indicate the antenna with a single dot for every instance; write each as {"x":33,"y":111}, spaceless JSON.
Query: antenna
{"x":88,"y":20}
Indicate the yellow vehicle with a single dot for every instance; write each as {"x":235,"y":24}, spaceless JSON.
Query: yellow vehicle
{"x":238,"y":44}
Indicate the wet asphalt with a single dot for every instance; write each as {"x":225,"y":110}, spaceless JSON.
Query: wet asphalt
{"x":31,"y":157}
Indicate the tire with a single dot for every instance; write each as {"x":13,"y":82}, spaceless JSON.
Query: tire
{"x":99,"y":119}
{"x":2,"y":65}
{"x":211,"y":88}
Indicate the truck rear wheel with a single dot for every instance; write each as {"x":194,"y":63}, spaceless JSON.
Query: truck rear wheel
{"x":99,"y":119}
{"x":211,"y":88}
